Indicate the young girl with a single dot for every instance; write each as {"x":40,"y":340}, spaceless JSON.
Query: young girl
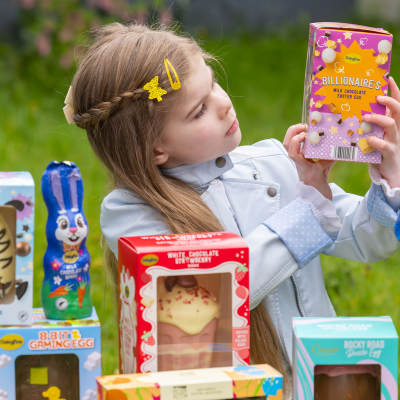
{"x":170,"y":148}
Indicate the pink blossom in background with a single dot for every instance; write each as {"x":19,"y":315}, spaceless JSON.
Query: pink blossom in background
{"x":65,"y":35}
{"x":95,"y":23}
{"x":27,"y":4}
{"x":76,"y":21}
{"x":45,"y":4}
{"x":65,"y":61}
{"x":93,"y":3}
{"x":166,"y":16}
{"x":107,"y":6}
{"x":142,"y":17}
{"x":43,"y":44}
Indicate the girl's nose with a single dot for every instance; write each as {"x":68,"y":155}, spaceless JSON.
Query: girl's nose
{"x":225,"y":106}
{"x":73,"y":230}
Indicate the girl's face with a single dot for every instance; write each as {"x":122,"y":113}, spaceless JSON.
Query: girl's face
{"x":203,"y":126}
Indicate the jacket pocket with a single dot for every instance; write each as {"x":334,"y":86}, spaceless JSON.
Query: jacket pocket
{"x":252,"y":201}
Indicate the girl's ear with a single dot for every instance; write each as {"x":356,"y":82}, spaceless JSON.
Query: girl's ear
{"x":160,"y":156}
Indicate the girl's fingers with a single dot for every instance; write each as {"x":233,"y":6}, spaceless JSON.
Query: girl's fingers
{"x":326,"y":164}
{"x":294,"y":147}
{"x":291,"y":132}
{"x":394,"y":89}
{"x":392,"y":105}
{"x":379,"y":144}
{"x":386,"y":122}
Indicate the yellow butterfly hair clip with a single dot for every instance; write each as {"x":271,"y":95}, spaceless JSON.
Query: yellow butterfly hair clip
{"x":156,"y":92}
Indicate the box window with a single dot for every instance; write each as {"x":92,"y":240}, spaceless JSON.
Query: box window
{"x":8,"y":222}
{"x":54,"y":374}
{"x":194,"y":321}
{"x":358,"y":381}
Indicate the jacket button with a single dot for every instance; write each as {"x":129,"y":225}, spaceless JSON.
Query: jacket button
{"x":220,"y":162}
{"x":271,"y":191}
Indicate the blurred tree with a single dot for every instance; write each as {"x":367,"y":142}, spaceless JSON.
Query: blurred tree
{"x":54,"y":28}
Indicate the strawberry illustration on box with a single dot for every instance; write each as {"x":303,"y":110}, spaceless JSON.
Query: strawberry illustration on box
{"x":184,"y":302}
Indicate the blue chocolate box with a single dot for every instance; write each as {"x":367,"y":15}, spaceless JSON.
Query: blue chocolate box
{"x":50,"y":358}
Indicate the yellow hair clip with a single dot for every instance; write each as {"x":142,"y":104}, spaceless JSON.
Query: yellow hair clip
{"x":175,"y":85}
{"x":155,"y":92}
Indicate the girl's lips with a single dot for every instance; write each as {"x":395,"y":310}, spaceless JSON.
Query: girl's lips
{"x":233,"y":128}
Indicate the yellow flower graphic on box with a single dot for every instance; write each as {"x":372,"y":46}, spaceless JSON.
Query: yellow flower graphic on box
{"x":351,"y":82}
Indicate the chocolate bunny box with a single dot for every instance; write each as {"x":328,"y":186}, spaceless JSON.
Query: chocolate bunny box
{"x":66,"y":262}
{"x":17,"y":211}
{"x":183,"y":302}
{"x":347,"y":68}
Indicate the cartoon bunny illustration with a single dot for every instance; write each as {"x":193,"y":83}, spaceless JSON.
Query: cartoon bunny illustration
{"x":66,"y":285}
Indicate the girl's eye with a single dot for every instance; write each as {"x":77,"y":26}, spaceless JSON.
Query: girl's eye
{"x":215,"y":80}
{"x":201,"y":112}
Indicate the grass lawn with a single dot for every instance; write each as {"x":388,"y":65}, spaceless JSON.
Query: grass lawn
{"x":265,"y":80}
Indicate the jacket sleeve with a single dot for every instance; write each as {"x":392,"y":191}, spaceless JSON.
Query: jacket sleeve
{"x":292,"y":237}
{"x":289,"y":239}
{"x":367,"y":232}
{"x":123,"y":215}
{"x":367,"y":225}
{"x":267,"y":249}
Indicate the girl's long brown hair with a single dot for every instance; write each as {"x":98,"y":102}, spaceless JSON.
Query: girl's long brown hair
{"x":124,"y":127}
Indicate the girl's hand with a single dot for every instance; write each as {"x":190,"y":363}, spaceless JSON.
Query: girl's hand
{"x":312,"y":173}
{"x":390,"y":144}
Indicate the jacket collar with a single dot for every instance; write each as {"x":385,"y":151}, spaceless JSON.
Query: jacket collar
{"x":202,"y":173}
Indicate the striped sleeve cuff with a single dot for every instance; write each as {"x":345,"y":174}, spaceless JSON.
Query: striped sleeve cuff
{"x":300,"y":231}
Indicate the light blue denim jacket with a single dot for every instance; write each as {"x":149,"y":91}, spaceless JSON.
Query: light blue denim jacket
{"x":259,"y":183}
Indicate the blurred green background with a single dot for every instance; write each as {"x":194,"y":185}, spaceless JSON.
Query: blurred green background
{"x":264,"y":76}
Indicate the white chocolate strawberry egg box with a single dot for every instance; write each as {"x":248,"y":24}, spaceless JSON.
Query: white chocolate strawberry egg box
{"x":347,"y":69}
{"x":183,"y":302}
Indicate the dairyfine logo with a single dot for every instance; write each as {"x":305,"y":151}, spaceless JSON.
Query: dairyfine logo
{"x":352,"y":58}
{"x":127,"y":292}
{"x":324,"y":351}
{"x":11,"y":342}
{"x":149,"y":259}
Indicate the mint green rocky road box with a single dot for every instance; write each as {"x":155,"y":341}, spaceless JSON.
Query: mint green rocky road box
{"x":345,"y":358}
